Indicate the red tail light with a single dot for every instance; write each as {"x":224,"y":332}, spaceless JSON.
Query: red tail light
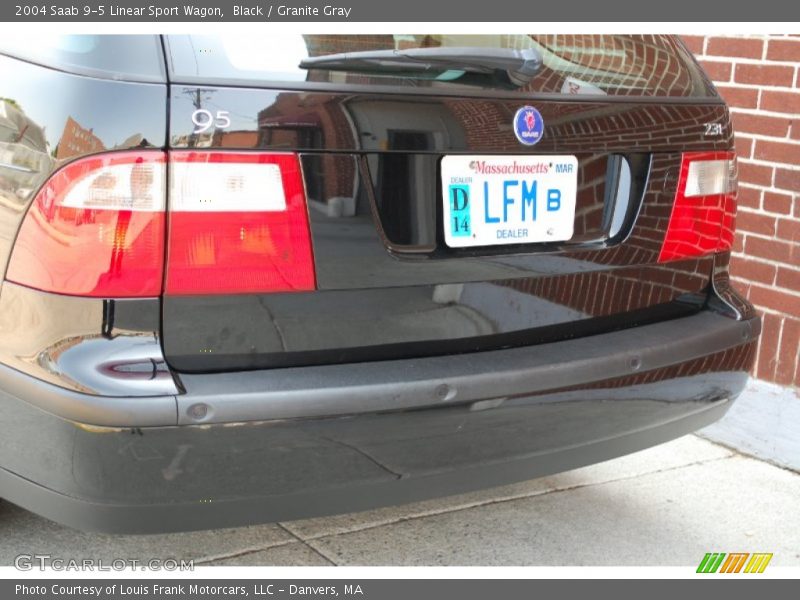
{"x":96,"y":228}
{"x":704,"y":212}
{"x":238,"y":223}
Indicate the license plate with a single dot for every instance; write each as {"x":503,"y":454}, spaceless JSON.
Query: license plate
{"x":492,"y":200}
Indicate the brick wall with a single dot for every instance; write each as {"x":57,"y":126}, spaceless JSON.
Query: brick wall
{"x":759,"y":76}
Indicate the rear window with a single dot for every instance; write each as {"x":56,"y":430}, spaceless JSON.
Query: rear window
{"x":124,"y":57}
{"x":593,"y":65}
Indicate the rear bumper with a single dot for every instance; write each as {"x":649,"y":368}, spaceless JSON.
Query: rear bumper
{"x":261,"y":446}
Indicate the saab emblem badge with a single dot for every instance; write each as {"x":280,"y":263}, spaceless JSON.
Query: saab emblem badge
{"x":528,"y":125}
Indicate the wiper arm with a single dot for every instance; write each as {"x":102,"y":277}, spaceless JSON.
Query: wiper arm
{"x":520,"y":65}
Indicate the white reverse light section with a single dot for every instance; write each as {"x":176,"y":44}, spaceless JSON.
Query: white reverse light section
{"x":226,"y":187}
{"x":709,"y":177}
{"x":125,"y":186}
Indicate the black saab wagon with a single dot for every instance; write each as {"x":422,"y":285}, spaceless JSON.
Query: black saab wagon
{"x":251,"y":279}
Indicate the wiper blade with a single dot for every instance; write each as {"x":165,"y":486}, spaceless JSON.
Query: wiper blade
{"x":520,"y":65}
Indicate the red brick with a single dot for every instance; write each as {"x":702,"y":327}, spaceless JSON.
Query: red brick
{"x":796,"y":382}
{"x":787,"y":179}
{"x":748,"y":197}
{"x":738,"y":242}
{"x":787,"y":367}
{"x":743,"y":146}
{"x":782,"y":152}
{"x":760,"y":124}
{"x":753,"y":270}
{"x":796,"y":209}
{"x":770,"y":332}
{"x":778,"y":203}
{"x":717,"y":70}
{"x":739,"y":97}
{"x":755,"y":174}
{"x":788,"y":50}
{"x":739,"y":47}
{"x":777,"y":101}
{"x":770,"y":249}
{"x":789,"y":230}
{"x":694,"y":43}
{"x":788,"y":279}
{"x":764,"y":75}
{"x":774,"y":299}
{"x":755,"y":223}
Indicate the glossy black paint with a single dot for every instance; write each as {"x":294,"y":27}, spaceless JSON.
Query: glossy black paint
{"x":357,"y":122}
{"x":725,"y":299}
{"x":137,"y":58}
{"x":90,"y":345}
{"x":389,"y":285}
{"x":328,"y":327}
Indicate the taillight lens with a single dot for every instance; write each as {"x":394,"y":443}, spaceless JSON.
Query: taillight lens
{"x":704,"y":212}
{"x":238,"y":223}
{"x":96,"y":228}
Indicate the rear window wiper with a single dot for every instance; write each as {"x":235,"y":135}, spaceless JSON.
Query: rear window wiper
{"x":520,"y":65}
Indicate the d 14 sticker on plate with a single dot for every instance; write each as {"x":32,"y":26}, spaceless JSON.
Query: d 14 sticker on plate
{"x":492,"y":200}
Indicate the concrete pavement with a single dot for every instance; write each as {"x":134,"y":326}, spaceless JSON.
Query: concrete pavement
{"x":764,"y":422}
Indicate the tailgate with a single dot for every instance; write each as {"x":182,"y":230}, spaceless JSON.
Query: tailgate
{"x":381,"y":161}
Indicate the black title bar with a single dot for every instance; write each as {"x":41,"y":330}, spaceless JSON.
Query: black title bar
{"x":464,"y":11}
{"x":387,"y":589}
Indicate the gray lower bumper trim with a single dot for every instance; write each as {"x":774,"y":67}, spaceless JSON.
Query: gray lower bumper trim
{"x":437,"y":381}
{"x":395,"y":385}
{"x":182,"y":516}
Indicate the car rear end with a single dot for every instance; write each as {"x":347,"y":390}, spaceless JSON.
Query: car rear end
{"x":267,"y":279}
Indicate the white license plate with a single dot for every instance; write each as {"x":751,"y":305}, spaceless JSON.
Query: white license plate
{"x":491,"y":200}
